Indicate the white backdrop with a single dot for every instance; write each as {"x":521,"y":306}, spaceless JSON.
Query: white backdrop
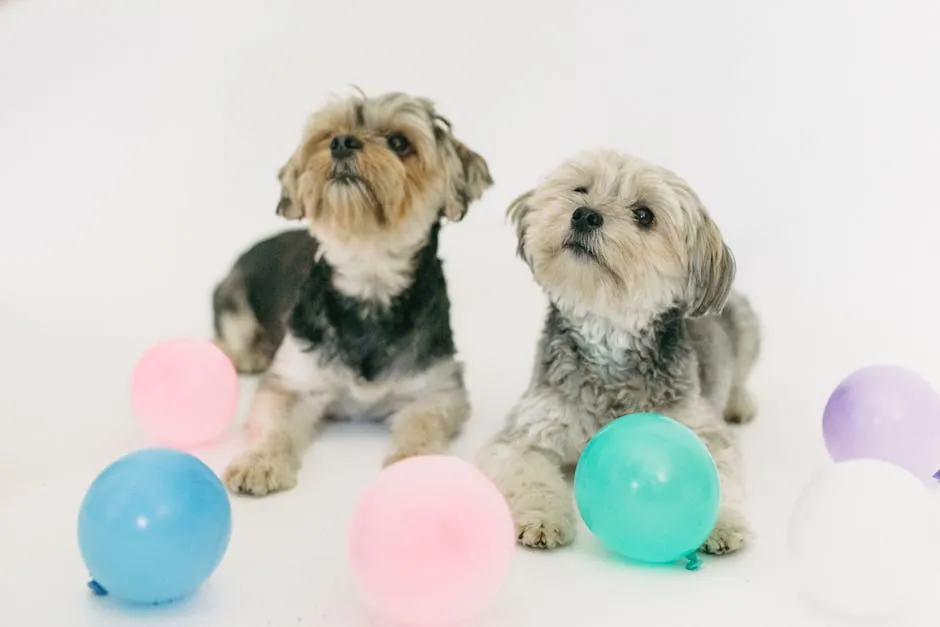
{"x":138,"y":148}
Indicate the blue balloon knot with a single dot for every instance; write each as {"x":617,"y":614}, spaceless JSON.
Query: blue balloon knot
{"x":97,"y":588}
{"x":694,"y":562}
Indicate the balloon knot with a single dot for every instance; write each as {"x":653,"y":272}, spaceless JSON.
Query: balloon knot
{"x":936,"y":475}
{"x":694,"y":562}
{"x":97,"y":588}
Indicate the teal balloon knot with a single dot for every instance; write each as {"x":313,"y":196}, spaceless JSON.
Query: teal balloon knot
{"x":694,"y":563}
{"x":97,"y":588}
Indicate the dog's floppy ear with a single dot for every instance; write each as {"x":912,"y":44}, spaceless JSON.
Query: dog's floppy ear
{"x":476,"y":172}
{"x":517,"y":212}
{"x":711,"y":270}
{"x":468,"y":172}
{"x":289,"y":205}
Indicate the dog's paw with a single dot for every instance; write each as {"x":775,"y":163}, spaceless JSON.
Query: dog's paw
{"x":544,"y":530}
{"x":258,"y":474}
{"x":731,"y":534}
{"x":741,"y":408}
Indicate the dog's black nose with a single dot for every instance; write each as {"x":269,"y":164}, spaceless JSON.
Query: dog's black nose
{"x":343,"y":146}
{"x":585,"y":220}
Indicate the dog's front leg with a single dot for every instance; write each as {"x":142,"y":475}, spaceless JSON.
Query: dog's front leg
{"x":525,"y":461}
{"x":280,"y":425}
{"x":428,"y":425}
{"x":732,"y":531}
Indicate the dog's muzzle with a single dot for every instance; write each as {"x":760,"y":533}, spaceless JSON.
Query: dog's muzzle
{"x":580,"y":244}
{"x":344,"y":171}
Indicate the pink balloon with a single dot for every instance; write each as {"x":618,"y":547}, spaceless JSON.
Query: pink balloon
{"x":184,"y":392}
{"x":431,"y":541}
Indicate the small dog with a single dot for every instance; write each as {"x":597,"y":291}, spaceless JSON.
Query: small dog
{"x":350,"y":317}
{"x":638,"y":277}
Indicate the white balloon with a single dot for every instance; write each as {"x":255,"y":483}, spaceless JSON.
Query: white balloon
{"x":864,"y":538}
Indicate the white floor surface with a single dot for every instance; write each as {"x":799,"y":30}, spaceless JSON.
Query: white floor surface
{"x":138,"y":147}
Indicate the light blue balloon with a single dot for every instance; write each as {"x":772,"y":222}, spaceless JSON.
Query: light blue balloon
{"x":154,"y":526}
{"x":648,"y":488}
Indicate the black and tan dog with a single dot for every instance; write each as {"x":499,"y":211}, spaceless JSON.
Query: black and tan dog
{"x":350,"y":317}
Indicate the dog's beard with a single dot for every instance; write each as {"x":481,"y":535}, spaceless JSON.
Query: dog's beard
{"x":344,"y":171}
{"x":581,"y":246}
{"x":355,"y":201}
{"x":365,"y":195}
{"x":586,"y":274}
{"x":573,"y":268}
{"x":350,"y":204}
{"x":587,"y":249}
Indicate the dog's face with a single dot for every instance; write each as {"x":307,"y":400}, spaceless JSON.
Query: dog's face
{"x":613,"y":235}
{"x":382,"y":166}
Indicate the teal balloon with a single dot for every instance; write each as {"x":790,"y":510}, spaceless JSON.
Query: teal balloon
{"x":648,"y":488}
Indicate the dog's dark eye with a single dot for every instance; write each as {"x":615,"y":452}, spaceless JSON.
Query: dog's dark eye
{"x":643,"y":216}
{"x":580,"y":190}
{"x":399,"y":144}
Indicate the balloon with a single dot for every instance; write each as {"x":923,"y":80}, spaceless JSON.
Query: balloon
{"x":648,"y":488}
{"x":184,"y":392}
{"x":863,"y":537}
{"x":888,"y":413}
{"x":153,"y":526}
{"x":431,"y":541}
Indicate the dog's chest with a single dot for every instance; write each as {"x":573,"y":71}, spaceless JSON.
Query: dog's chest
{"x":376,"y":339}
{"x":371,"y":275}
{"x":349,"y":395}
{"x":613,"y":374}
{"x":366,"y":343}
{"x":365,"y":338}
{"x":357,"y":398}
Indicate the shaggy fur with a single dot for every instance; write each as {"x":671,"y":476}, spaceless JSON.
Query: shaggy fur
{"x":641,"y":318}
{"x":251,"y":303}
{"x":350,"y":318}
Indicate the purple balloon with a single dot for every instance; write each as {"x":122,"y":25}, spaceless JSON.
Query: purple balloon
{"x":885,"y":412}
